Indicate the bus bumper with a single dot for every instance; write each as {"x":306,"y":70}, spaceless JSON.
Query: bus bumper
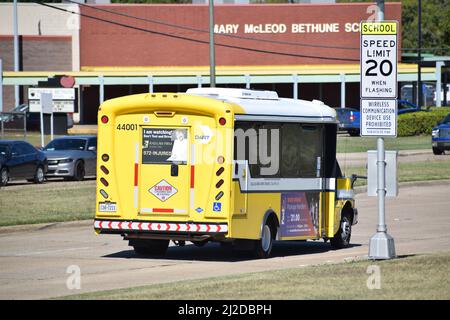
{"x":169,"y":230}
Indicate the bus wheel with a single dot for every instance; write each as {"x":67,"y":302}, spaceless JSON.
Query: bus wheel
{"x":150,"y":247}
{"x":342,"y":238}
{"x":200,"y":243}
{"x":263,"y":246}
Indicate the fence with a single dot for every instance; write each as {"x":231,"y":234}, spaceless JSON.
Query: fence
{"x":13,"y":122}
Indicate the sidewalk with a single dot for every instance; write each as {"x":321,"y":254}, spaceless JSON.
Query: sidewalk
{"x":359,"y":159}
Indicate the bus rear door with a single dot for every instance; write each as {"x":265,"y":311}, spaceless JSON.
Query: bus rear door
{"x":163,"y":171}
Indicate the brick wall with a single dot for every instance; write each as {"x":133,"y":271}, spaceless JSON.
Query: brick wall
{"x":38,"y":53}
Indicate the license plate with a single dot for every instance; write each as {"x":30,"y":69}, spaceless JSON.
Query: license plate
{"x":107,"y":207}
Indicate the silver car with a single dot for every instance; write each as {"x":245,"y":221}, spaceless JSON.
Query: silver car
{"x":72,"y":157}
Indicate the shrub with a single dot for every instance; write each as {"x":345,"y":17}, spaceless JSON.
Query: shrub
{"x":418,"y":123}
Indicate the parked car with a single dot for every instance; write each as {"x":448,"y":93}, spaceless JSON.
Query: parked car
{"x":33,"y":118}
{"x":20,"y":160}
{"x":440,"y":136}
{"x":72,"y":157}
{"x":349,"y":118}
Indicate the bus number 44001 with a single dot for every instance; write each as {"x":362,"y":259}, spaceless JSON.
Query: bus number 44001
{"x":127,"y":126}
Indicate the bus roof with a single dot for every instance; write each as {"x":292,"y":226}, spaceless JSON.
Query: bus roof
{"x":267,"y":103}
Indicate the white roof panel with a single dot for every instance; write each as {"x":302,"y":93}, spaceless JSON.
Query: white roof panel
{"x":268,"y":103}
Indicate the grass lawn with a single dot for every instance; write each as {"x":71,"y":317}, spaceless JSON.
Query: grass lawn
{"x":413,"y":171}
{"x":346,"y":144}
{"x":52,"y":202}
{"x":416,"y":277}
{"x":33,"y":138}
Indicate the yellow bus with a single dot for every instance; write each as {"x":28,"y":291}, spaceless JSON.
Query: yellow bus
{"x":225,"y":165}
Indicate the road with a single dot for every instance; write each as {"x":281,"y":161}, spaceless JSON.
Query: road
{"x":33,"y":263}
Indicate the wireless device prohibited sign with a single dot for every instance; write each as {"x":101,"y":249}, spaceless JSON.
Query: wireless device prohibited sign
{"x":379,"y":78}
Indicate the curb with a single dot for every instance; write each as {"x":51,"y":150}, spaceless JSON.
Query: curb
{"x":85,"y":223}
{"x":363,"y":189}
{"x":43,"y":226}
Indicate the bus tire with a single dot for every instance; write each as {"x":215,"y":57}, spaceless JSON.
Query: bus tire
{"x":342,"y":238}
{"x":150,"y":247}
{"x":263,"y":246}
{"x":200,"y":243}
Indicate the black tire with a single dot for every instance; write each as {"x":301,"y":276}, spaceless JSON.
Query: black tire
{"x":4,"y":177}
{"x":263,"y":246}
{"x":39,"y":175}
{"x":353,"y":132}
{"x":342,"y":238}
{"x":150,"y":247}
{"x":437,"y":151}
{"x":200,"y":244}
{"x":79,"y":171}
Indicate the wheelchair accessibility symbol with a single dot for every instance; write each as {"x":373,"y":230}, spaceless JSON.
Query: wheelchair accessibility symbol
{"x":217,"y":206}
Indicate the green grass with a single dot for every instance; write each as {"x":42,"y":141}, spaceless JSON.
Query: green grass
{"x":54,"y":202}
{"x":33,"y":138}
{"x":417,"y":277}
{"x":413,"y":171}
{"x":346,"y":144}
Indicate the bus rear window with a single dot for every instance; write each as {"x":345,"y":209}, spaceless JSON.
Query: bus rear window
{"x":164,"y":146}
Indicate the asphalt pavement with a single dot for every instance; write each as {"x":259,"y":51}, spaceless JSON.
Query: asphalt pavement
{"x":34,"y":262}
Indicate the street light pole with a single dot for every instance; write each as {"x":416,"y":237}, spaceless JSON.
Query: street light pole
{"x":16,"y":52}
{"x":212,"y":58}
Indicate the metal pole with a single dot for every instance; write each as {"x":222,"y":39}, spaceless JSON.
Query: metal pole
{"x":381,"y":245}
{"x":51,"y":126}
{"x":342,"y":76}
{"x":199,"y":81}
{"x":295,"y":85}
{"x":150,"y":84}
{"x":42,"y":125}
{"x":439,"y":65}
{"x":419,"y":56}
{"x":247,"y":81}
{"x":102,"y":88}
{"x":212,"y":55}
{"x":16,"y":53}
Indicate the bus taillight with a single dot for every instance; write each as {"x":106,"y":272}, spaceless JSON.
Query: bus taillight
{"x":104,"y":119}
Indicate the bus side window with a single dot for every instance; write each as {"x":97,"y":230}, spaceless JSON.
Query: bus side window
{"x":301,"y":146}
{"x":311,"y":149}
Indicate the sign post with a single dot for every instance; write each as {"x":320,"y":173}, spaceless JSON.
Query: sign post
{"x":379,"y":112}
{"x":46,"y":103}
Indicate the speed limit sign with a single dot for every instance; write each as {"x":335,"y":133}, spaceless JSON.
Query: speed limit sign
{"x":379,"y":59}
{"x":379,"y":79}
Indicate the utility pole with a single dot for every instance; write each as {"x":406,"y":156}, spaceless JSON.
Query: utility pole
{"x":212,"y":55}
{"x":419,"y":56}
{"x":16,"y":52}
